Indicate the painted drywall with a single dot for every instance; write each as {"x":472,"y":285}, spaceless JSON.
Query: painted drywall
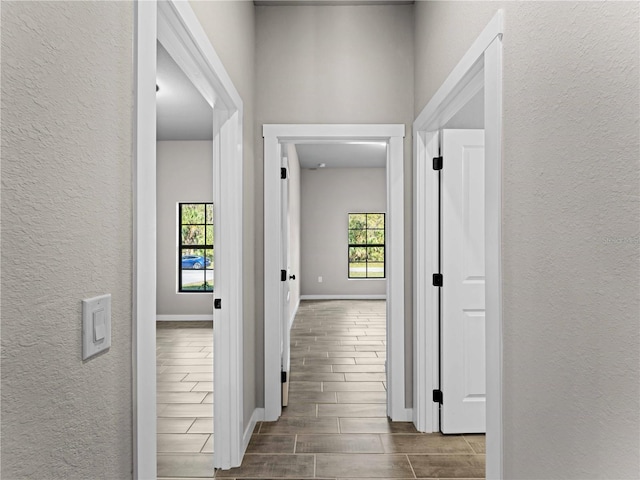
{"x":184,"y":174}
{"x":230,"y":26}
{"x":328,"y":196}
{"x":294,"y":228}
{"x":571,"y":248}
{"x":471,"y":116}
{"x":67,"y":144}
{"x":336,"y":64}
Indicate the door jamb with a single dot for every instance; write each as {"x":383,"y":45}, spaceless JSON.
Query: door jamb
{"x":174,"y":23}
{"x":480,"y":67}
{"x":274,"y":137}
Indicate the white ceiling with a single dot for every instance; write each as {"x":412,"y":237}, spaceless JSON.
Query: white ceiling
{"x":183,"y":114}
{"x":342,"y":155}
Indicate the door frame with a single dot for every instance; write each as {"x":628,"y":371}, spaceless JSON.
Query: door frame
{"x":481,"y":67}
{"x":175,"y":25}
{"x":274,"y":137}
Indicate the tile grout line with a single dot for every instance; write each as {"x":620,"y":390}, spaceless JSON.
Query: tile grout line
{"x":470,"y":446}
{"x":411,"y":466}
{"x":380,"y":446}
{"x":314,"y":465}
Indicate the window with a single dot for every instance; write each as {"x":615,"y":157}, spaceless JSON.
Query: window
{"x":366,"y":245}
{"x":195,"y":256}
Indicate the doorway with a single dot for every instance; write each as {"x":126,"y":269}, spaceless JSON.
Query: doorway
{"x":479,"y":70}
{"x":175,"y":25}
{"x":338,"y":200}
{"x":274,"y":138}
{"x":185,"y":274}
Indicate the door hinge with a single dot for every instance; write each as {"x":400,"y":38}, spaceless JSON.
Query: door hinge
{"x":283,"y":173}
{"x":217,"y":303}
{"x":437,"y":396}
{"x":283,"y":377}
{"x":437,"y":280}
{"x":283,"y":275}
{"x":437,"y":163}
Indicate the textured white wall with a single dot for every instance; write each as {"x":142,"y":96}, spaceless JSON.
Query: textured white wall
{"x":67,"y":108}
{"x":336,"y":64}
{"x":294,"y":225}
{"x":230,"y":26}
{"x":571,"y":248}
{"x":184,"y":174}
{"x":328,"y":196}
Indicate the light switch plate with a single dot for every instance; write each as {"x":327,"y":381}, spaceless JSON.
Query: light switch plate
{"x":96,"y":325}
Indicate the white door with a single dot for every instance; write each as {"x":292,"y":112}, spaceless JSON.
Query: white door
{"x":285,"y":271}
{"x":463,"y":373}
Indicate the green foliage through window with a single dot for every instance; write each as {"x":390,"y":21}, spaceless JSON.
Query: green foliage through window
{"x":195,"y":262}
{"x":366,"y":245}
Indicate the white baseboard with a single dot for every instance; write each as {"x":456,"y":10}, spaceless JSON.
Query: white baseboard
{"x":343,"y":297}
{"x":256,"y":416}
{"x":183,"y":318}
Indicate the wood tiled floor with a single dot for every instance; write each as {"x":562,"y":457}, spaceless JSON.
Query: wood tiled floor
{"x":185,"y":399}
{"x":335,"y":426}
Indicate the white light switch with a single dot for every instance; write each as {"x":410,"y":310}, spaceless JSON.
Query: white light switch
{"x":96,"y":325}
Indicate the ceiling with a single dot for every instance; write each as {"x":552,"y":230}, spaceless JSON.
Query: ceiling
{"x":342,"y":155}
{"x":182,"y":113}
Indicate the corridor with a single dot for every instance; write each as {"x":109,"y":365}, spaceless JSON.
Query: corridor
{"x":335,"y":426}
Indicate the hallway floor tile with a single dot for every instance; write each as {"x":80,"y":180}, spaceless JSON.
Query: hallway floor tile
{"x":184,"y":400}
{"x":335,"y":427}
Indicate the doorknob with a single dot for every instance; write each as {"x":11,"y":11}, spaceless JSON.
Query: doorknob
{"x":292,"y":277}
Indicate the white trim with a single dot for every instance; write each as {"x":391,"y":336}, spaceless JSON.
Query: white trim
{"x":493,"y":255}
{"x":182,"y":35}
{"x":344,"y":297}
{"x":256,"y":416}
{"x":144,"y":247}
{"x":404,"y":415}
{"x":394,"y":252}
{"x":294,"y":312}
{"x":273,"y":333}
{"x":425,"y":296}
{"x":301,"y":133}
{"x":228,"y":332}
{"x":480,"y":67}
{"x":274,"y":136}
{"x":463,"y":73}
{"x":183,"y":318}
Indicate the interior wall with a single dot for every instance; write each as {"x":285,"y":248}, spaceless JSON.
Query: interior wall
{"x":328,"y":196}
{"x":184,"y":174}
{"x":570,"y":227}
{"x":294,"y":228}
{"x":336,"y":64}
{"x":67,"y":143}
{"x":230,"y":26}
